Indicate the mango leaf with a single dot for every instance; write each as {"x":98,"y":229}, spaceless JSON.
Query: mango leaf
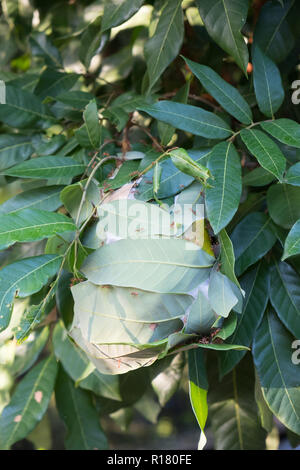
{"x":258,"y":177}
{"x":121,"y":315}
{"x":46,"y":167}
{"x":128,"y":218}
{"x":272,"y":32}
{"x":165,"y":130}
{"x":32,"y":316}
{"x":91,"y":42}
{"x":42,"y":46}
{"x":28,"y":352}
{"x":166,"y":382}
{"x":223,"y":198}
{"x":162,"y":265}
{"x":28,"y":403}
{"x":118,"y":12}
{"x":278,"y":375}
{"x":292,"y":242}
{"x":265,"y":414}
{"x":233,"y":412}
{"x":201,"y":316}
{"x":30,"y":225}
{"x":285,"y":295}
{"x":265,"y":150}
{"x":186,"y":164}
{"x":37,"y":198}
{"x":252,"y":238}
{"x":23,"y":109}
{"x":78,"y":366}
{"x":189,"y":118}
{"x":14,"y":149}
{"x":24,"y":277}
{"x":293,"y":175}
{"x":227,"y":256}
{"x":284,"y":130}
{"x":76,"y":100}
{"x":52,"y":83}
{"x":71,"y":197}
{"x":224,"y":21}
{"x":165,"y":43}
{"x":268,"y":87}
{"x":91,"y":119}
{"x":229,"y":97}
{"x":127,"y":171}
{"x":283,"y":204}
{"x":198,"y":387}
{"x":255,"y":283}
{"x":172,"y":180}
{"x":222,"y":295}
{"x":77,"y":410}
{"x":115,"y":359}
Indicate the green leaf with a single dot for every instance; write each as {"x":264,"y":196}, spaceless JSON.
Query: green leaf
{"x":284,"y":130}
{"x":125,"y":174}
{"x":78,"y":411}
{"x":189,"y":118}
{"x":24,"y":277}
{"x":162,"y":265}
{"x":283,"y":204}
{"x":255,"y":283}
{"x":91,"y":42}
{"x":258,"y":177}
{"x":165,"y":43}
{"x":78,"y":366}
{"x":278,"y":375}
{"x":76,"y":100}
{"x":117,"y":358}
{"x":91,"y":120}
{"x":293,"y":175}
{"x":172,"y":180}
{"x":117,"y":12}
{"x":128,"y":218}
{"x":166,"y":382}
{"x":228,"y":96}
{"x":28,"y":403}
{"x":227,"y":256}
{"x":52,"y":83}
{"x":46,"y":167}
{"x":292,"y":242}
{"x":38,"y":198}
{"x":198,"y":387}
{"x":285,"y":295}
{"x":265,"y":414}
{"x":187,"y":165}
{"x":27,"y":354}
{"x":31,"y":317}
{"x":233,"y":412}
{"x":41,"y":46}
{"x":267,"y":153}
{"x":30,"y":225}
{"x":201,"y":316}
{"x":14,"y":149}
{"x":71,"y":197}
{"x":272,"y":32}
{"x":221,"y":294}
{"x":224,"y":21}
{"x":252,"y":238}
{"x":121,"y":315}
{"x":23,"y":109}
{"x":166,"y":131}
{"x":268,"y":87}
{"x":223,"y":198}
